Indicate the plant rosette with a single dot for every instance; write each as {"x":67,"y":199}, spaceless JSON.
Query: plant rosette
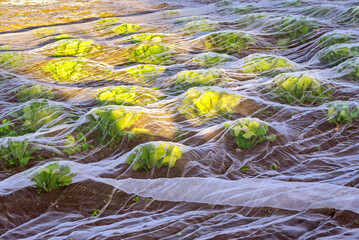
{"x":299,"y":88}
{"x":194,"y":78}
{"x":17,"y":153}
{"x":37,"y":91}
{"x":53,"y":176}
{"x":144,"y":74}
{"x":338,"y":53}
{"x":348,"y":69}
{"x":343,"y":112}
{"x":208,"y":102}
{"x":151,"y":54}
{"x":128,"y":95}
{"x":211,"y":59}
{"x":249,"y":132}
{"x":149,"y":155}
{"x":71,"y":47}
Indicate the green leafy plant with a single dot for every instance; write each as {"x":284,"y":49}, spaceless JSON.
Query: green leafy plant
{"x":350,"y":68}
{"x":299,"y":88}
{"x":126,"y":28}
{"x":52,"y":177}
{"x":74,"y":47}
{"x":28,"y":93}
{"x":207,"y":102}
{"x":145,"y":73}
{"x":210,"y":59}
{"x":15,"y":153}
{"x":37,"y":113}
{"x":9,"y":59}
{"x":127,"y":95}
{"x":260,"y":63}
{"x":229,"y":42}
{"x":341,"y":112}
{"x":153,"y":154}
{"x":338,"y":53}
{"x":199,"y":26}
{"x":273,"y":166}
{"x":136,"y":199}
{"x":76,"y":145}
{"x":335,"y":38}
{"x":151,"y":53}
{"x":7,"y":128}
{"x":102,"y":23}
{"x":66,"y":70}
{"x":198,"y":77}
{"x":114,"y":123}
{"x":96,"y":212}
{"x":291,"y":28}
{"x":144,"y":37}
{"x":189,"y":19}
{"x":249,"y":132}
{"x":244,"y":9}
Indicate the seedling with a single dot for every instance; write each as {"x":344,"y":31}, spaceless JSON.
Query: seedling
{"x":151,"y":154}
{"x":76,"y":145}
{"x":96,"y":212}
{"x":273,"y":166}
{"x":135,"y":199}
{"x":249,"y":132}
{"x":52,"y":177}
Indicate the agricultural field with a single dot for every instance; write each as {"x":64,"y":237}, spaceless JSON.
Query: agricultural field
{"x":193,"y":119}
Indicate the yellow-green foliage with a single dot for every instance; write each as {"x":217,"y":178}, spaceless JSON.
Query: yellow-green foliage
{"x":66,"y":70}
{"x":299,"y":88}
{"x":198,"y":77}
{"x":210,"y":59}
{"x":126,"y":28}
{"x":113,"y":123}
{"x":153,"y":154}
{"x":338,"y":53}
{"x":8,"y":58}
{"x":144,"y":37}
{"x":199,"y":26}
{"x":249,"y":132}
{"x":74,"y":47}
{"x":259,"y":63}
{"x":208,"y":102}
{"x":27,"y":93}
{"x":145,"y":73}
{"x":341,"y":112}
{"x":128,"y":95}
{"x":350,"y":68}
{"x":151,"y":53}
{"x":229,"y":42}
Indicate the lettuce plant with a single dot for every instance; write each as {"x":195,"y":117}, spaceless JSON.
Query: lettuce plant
{"x":335,"y":38}
{"x":202,"y":25}
{"x":74,"y":47}
{"x":248,"y":132}
{"x":144,"y":37}
{"x":17,"y":153}
{"x":299,"y":88}
{"x":153,"y":154}
{"x":259,"y":63}
{"x":228,"y":42}
{"x":114,"y":123}
{"x":338,"y":53}
{"x":127,"y":95}
{"x":151,"y":53}
{"x":37,"y":113}
{"x":210,"y":59}
{"x":341,"y":112}
{"x":9,"y":59}
{"x":244,"y":9}
{"x":145,"y":73}
{"x":350,"y":68}
{"x":66,"y":70}
{"x":198,"y":77}
{"x":189,"y":19}
{"x":7,"y":128}
{"x":37,"y":91}
{"x":126,"y":28}
{"x":52,"y":177}
{"x":76,"y":145}
{"x":208,"y":102}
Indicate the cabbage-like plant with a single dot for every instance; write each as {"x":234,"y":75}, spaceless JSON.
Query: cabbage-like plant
{"x":228,"y":42}
{"x":210,"y":59}
{"x":7,"y":128}
{"x":37,"y":113}
{"x":202,"y":25}
{"x":114,"y":123}
{"x":144,"y":37}
{"x":151,"y":53}
{"x":127,"y":28}
{"x":198,"y":77}
{"x":9,"y":59}
{"x":349,"y":68}
{"x":74,"y":47}
{"x":299,"y":88}
{"x":208,"y":102}
{"x":335,"y":38}
{"x":37,"y":91}
{"x":153,"y":154}
{"x":128,"y":95}
{"x":341,"y":112}
{"x":260,"y":63}
{"x":244,"y":9}
{"x":338,"y":53}
{"x":248,"y":132}
{"x":145,"y":73}
{"x":17,"y":153}
{"x":52,"y":177}
{"x":66,"y":70}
